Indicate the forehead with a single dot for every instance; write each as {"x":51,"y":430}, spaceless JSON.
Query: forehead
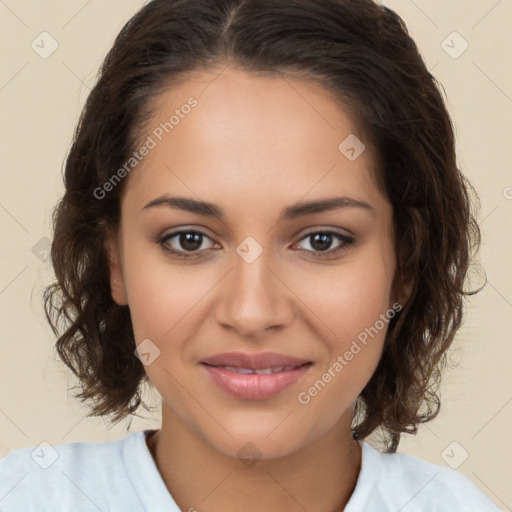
{"x":276,"y":137}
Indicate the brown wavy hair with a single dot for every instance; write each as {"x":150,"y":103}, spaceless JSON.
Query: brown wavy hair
{"x":357,"y":50}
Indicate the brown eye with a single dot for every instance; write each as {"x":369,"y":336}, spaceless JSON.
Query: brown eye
{"x":321,"y":241}
{"x":184,"y":242}
{"x":190,"y":241}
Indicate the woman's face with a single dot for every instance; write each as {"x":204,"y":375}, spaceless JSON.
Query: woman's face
{"x":265,"y":273}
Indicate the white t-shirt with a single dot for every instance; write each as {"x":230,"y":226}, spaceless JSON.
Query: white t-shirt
{"x":121,"y":476}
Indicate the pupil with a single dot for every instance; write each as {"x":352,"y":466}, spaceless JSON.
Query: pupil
{"x":190,"y":241}
{"x":321,"y":241}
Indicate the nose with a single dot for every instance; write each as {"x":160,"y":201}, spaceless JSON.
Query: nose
{"x":254,"y":297}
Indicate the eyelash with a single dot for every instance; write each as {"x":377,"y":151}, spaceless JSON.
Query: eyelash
{"x":347,"y":242}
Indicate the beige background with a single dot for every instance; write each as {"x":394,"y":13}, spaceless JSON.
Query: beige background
{"x":40,"y":100}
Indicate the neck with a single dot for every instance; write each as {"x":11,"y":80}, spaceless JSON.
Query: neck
{"x":319,"y":476}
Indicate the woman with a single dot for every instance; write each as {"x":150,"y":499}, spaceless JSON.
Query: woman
{"x":264,"y":219}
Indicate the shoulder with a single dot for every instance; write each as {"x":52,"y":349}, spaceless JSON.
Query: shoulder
{"x":69,"y":476}
{"x":398,"y":481}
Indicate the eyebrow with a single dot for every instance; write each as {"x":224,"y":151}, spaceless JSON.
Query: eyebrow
{"x":291,"y":212}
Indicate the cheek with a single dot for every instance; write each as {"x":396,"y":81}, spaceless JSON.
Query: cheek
{"x":162,"y":297}
{"x":362,"y":298}
{"x":348,"y":299}
{"x":352,"y":304}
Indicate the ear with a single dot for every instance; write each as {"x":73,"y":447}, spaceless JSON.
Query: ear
{"x":117,"y":285}
{"x":404,"y":288}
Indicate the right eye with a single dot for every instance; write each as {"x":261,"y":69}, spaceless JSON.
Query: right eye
{"x":190,"y":241}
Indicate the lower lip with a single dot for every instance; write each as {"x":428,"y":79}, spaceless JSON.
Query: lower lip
{"x":251,"y":386}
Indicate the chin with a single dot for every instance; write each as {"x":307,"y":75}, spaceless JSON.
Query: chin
{"x":251,"y":448}
{"x":265,"y":440}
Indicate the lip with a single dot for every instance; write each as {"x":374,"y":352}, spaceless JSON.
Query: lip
{"x":252,"y":386}
{"x":254,"y":361}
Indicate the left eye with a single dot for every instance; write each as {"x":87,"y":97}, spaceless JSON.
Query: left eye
{"x":320,"y":241}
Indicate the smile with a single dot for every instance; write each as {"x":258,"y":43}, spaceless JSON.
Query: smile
{"x":254,"y":376}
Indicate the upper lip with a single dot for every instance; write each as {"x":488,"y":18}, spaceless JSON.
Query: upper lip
{"x":254,"y":361}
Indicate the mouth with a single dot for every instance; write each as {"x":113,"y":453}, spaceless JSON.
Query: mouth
{"x":261,"y":361}
{"x":262,"y":371}
{"x":255,"y":376}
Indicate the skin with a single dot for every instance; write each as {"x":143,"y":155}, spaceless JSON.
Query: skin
{"x":254,"y":145}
